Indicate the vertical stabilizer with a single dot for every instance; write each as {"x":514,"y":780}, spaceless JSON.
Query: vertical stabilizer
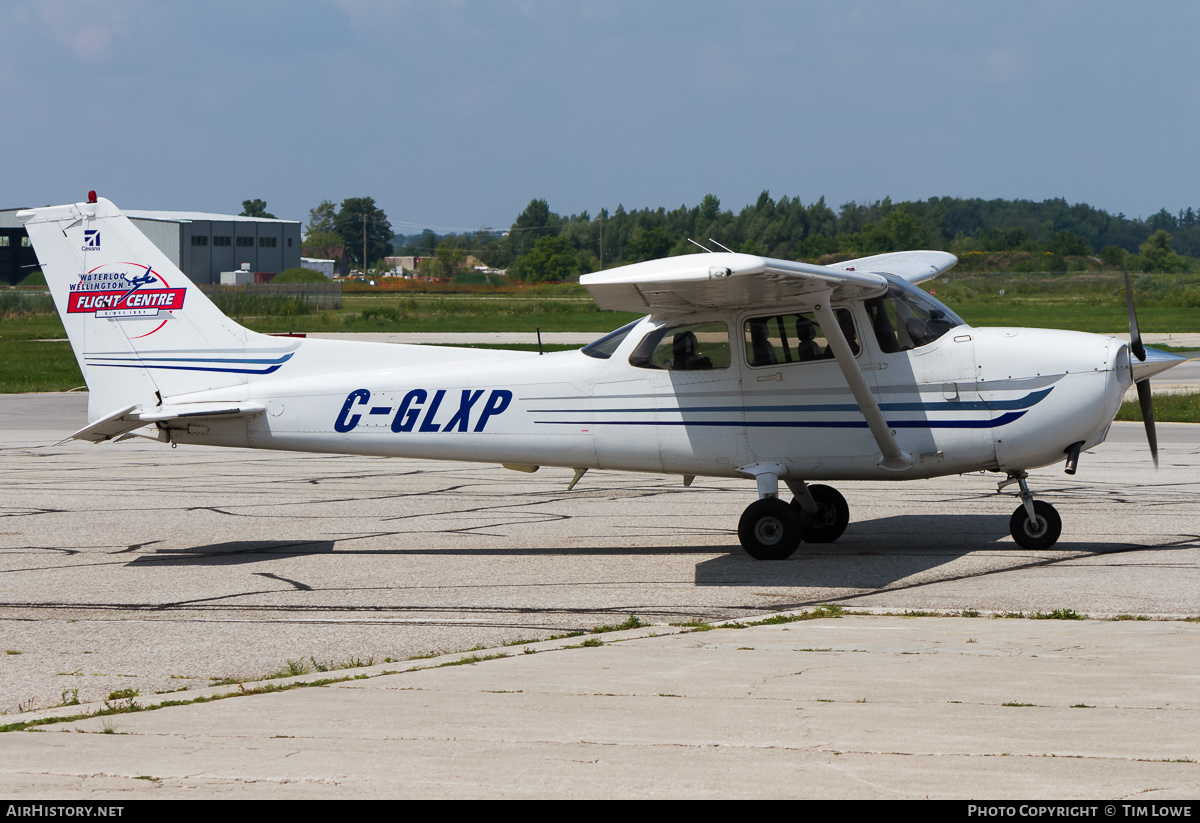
{"x":141,"y":330}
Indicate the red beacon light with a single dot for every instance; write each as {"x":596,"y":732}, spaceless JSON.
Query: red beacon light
{"x":92,"y":196}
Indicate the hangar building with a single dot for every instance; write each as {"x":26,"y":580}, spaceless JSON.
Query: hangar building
{"x":201,"y":245}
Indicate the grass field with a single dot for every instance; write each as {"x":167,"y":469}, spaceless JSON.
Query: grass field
{"x":1168,"y":408}
{"x":31,"y":365}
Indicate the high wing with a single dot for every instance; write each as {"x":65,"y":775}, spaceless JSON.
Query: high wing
{"x":913,"y":266}
{"x":732,"y":281}
{"x":726,"y":280}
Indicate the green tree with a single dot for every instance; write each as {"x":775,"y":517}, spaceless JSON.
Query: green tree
{"x":551,"y":258}
{"x":360,"y":222}
{"x":1157,"y":254}
{"x":816,"y":246}
{"x":1065,"y":243}
{"x":706,"y":216}
{"x":535,"y":222}
{"x":325,"y":245}
{"x":1112,"y":255}
{"x":451,"y":258}
{"x":256,"y":208}
{"x":648,"y":244}
{"x":431,"y":267}
{"x":905,"y":232}
{"x":321,"y":219}
{"x":321,"y":239}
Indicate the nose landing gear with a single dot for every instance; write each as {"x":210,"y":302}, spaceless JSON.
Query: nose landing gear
{"x":1035,"y":525}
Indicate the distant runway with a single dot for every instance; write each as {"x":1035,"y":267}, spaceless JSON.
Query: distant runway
{"x":134,"y":565}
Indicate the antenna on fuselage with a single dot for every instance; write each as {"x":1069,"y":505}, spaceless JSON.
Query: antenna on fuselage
{"x":714,"y":242}
{"x":700,"y":245}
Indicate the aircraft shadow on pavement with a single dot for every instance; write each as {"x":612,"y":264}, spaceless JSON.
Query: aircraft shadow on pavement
{"x":870,"y":555}
{"x":234,"y":552}
{"x":876,"y":553}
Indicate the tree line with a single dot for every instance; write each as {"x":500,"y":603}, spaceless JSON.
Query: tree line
{"x":541,"y":245}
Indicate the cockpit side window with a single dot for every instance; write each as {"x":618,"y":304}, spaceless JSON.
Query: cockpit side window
{"x":690,"y":347}
{"x":793,"y":338}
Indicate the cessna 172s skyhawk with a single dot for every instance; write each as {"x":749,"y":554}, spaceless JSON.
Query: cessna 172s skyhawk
{"x":744,"y":367}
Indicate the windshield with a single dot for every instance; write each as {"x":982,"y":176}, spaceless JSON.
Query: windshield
{"x":907,"y":317}
{"x":609,"y":343}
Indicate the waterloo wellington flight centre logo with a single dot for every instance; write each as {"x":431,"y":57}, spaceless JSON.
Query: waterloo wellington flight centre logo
{"x":123,"y":290}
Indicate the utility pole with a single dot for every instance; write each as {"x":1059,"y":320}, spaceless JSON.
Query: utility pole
{"x":364,"y":244}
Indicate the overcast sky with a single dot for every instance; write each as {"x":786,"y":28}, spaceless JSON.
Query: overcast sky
{"x":455,"y":114}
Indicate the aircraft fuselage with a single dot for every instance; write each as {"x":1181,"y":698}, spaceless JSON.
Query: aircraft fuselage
{"x":975,"y":399}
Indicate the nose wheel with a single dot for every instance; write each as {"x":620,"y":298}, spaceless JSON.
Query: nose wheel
{"x":1038,"y":532}
{"x":1035,"y":525}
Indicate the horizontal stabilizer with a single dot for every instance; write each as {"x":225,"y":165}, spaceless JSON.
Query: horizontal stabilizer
{"x":120,"y":423}
{"x":108,"y":427}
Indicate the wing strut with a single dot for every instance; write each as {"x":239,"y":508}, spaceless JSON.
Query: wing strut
{"x":892,"y":457}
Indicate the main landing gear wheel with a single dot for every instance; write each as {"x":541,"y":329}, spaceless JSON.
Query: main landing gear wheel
{"x":829,"y":521}
{"x":769,"y":529}
{"x":1040,"y":533}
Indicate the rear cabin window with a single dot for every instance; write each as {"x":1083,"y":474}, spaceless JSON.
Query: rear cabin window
{"x":794,"y":338}
{"x":690,"y":347}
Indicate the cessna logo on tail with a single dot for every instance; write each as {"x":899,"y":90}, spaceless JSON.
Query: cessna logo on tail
{"x":119,"y":290}
{"x":419,"y":412}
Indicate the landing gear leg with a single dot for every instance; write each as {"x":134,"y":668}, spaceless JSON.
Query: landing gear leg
{"x":1035,"y":524}
{"x":823,"y":512}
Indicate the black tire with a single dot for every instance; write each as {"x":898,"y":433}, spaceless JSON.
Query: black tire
{"x":769,"y":529}
{"x":830,"y":520}
{"x":1042,"y":533}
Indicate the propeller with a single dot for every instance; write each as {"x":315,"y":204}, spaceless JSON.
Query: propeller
{"x":1143,"y":385}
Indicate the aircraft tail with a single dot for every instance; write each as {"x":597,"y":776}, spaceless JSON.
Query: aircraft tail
{"x":140,"y":329}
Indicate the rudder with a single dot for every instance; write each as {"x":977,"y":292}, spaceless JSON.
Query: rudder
{"x":140,"y":329}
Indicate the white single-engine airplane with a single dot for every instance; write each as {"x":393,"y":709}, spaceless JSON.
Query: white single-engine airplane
{"x":744,"y":367}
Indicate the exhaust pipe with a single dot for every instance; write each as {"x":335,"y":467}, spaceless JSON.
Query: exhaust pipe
{"x":1072,"y":452}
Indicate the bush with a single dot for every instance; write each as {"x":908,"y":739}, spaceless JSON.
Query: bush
{"x":382,"y":315}
{"x":298,"y":276}
{"x":20,"y":304}
{"x":477,"y":278}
